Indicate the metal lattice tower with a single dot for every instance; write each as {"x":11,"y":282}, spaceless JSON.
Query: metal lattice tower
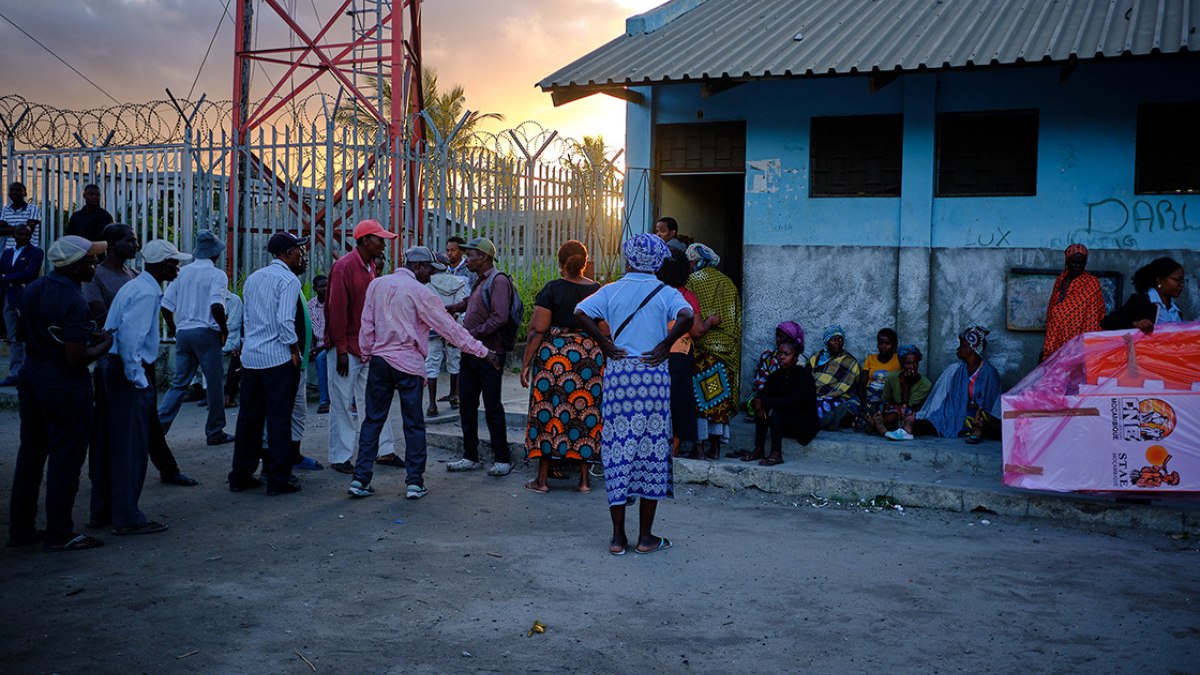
{"x":384,"y":49}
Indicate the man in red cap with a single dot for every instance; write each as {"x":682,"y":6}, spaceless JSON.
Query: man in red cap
{"x":348,"y":281}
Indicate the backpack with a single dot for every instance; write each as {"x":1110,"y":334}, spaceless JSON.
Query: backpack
{"x":516,"y":311}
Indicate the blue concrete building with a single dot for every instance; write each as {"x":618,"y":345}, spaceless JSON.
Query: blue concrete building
{"x":919,"y":164}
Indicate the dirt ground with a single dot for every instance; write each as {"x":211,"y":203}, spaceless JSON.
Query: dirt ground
{"x":452,"y":583}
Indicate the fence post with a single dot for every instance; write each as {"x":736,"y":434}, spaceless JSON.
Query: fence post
{"x":328,"y":210}
{"x":187,"y":191}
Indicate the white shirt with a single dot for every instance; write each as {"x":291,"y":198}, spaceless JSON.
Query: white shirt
{"x":15,"y":217}
{"x":234,"y":311}
{"x":1165,"y":314}
{"x":618,"y":300}
{"x":200,"y":286}
{"x":271,"y":294}
{"x":134,"y":315}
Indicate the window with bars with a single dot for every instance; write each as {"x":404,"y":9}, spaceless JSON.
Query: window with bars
{"x":855,"y":156}
{"x":1168,"y":149}
{"x":987,"y":154}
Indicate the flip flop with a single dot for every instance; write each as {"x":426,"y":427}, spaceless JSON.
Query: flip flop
{"x":663,"y":544}
{"x":528,"y":486}
{"x":623,"y":551}
{"x":583,"y":490}
{"x":79,"y":542}
{"x":769,"y":461}
{"x":148,"y":527}
{"x":751,"y":457}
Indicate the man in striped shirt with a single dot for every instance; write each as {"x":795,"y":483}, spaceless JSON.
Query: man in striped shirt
{"x":270,"y":369}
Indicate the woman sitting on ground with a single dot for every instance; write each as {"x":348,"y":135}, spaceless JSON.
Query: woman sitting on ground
{"x":965,"y":400}
{"x":565,"y":368}
{"x":875,"y":369}
{"x":904,"y":392}
{"x":769,"y":362}
{"x":786,"y":406}
{"x":1156,"y":287}
{"x":836,"y":374}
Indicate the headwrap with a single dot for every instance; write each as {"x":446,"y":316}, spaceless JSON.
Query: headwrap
{"x":905,"y":350}
{"x":792,"y":330}
{"x":976,"y":337}
{"x":703,"y":256}
{"x":645,"y":252}
{"x":832,"y":332}
{"x":1076,"y":248}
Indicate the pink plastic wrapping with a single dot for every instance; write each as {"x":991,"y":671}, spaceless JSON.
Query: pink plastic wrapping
{"x":1110,"y":411}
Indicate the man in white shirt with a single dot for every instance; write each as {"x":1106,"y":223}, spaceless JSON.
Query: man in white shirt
{"x":270,"y":369}
{"x":234,"y":310}
{"x":133,"y":322}
{"x":194,"y":309}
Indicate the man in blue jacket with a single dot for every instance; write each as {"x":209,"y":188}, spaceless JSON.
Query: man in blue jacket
{"x":19,"y":267}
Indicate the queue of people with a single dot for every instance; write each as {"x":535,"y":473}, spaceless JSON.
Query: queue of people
{"x":622,"y":377}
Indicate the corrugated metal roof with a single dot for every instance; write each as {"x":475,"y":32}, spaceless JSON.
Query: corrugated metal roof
{"x":745,"y":39}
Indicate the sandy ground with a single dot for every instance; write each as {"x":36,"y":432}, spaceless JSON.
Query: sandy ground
{"x":249,"y":583}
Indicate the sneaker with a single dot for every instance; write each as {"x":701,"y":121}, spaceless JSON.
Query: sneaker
{"x":415,"y":492}
{"x":500,"y":469}
{"x":357,"y":489}
{"x":898,"y":435}
{"x":463,"y":464}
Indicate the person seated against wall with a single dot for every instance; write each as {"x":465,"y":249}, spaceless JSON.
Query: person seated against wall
{"x":1156,"y":287}
{"x":836,"y":373}
{"x":769,"y":362}
{"x":875,"y":369}
{"x":965,"y":400}
{"x":785,"y":407}
{"x":1076,"y":304}
{"x":904,"y":392}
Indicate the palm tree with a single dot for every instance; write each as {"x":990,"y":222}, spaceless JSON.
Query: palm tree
{"x":442,"y":108}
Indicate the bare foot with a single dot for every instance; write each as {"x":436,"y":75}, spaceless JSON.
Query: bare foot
{"x":754,"y":456}
{"x":534,"y":486}
{"x":652,"y":543}
{"x":584,"y":488}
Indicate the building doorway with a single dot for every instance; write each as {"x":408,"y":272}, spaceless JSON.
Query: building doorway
{"x":701,"y":171}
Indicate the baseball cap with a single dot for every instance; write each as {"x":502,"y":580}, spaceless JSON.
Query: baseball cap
{"x":423,"y":254}
{"x":483,"y":245}
{"x":369,"y":227}
{"x":71,"y":249}
{"x":159,"y":250}
{"x":281,"y":242}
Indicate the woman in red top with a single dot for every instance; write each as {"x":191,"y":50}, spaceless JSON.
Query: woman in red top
{"x":1076,"y":303}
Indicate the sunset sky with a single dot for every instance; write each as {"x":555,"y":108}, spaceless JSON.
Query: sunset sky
{"x":135,"y":49}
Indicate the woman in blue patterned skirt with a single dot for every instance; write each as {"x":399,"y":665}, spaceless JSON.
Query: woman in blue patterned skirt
{"x":636,"y":407}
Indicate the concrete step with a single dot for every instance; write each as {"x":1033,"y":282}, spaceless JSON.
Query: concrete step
{"x":935,"y":473}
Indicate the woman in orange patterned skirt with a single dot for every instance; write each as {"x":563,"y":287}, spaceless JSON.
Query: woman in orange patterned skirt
{"x":564,"y":369}
{"x":1076,"y":303}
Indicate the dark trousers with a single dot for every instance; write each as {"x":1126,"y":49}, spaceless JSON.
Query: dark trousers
{"x":268,"y":396}
{"x":774,"y":424}
{"x":233,"y":376}
{"x":476,"y":377}
{"x":130,"y":410}
{"x":55,"y":425}
{"x":683,"y":401}
{"x":98,"y":456}
{"x":382,"y":380}
{"x":784,"y":423}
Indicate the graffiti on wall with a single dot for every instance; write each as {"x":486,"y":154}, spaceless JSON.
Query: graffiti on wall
{"x":1115,"y":223}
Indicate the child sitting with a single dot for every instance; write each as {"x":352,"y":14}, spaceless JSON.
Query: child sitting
{"x":786,"y":406}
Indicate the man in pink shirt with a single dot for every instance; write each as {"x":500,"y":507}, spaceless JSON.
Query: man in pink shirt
{"x":347,"y":372}
{"x":398,"y":313}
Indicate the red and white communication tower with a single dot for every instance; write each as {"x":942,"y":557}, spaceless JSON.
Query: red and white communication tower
{"x":385,"y":47}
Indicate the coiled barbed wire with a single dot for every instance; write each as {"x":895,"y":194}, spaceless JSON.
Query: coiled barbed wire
{"x":159,"y":123}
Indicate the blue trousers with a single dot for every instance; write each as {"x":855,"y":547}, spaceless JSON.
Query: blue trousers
{"x":55,"y":425}
{"x":322,"y":377}
{"x":129,"y":414}
{"x":197,"y":348}
{"x":382,"y":380}
{"x":268,"y":396}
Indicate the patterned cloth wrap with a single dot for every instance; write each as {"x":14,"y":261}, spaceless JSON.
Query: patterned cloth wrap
{"x":976,"y":337}
{"x":835,"y":376}
{"x":645,"y":252}
{"x":1077,"y":311}
{"x":564,"y":398}
{"x":905,"y":350}
{"x":637,"y":431}
{"x":702,"y":256}
{"x":719,"y":351}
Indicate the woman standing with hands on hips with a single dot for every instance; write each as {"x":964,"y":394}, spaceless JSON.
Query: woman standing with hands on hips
{"x":636,"y":441}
